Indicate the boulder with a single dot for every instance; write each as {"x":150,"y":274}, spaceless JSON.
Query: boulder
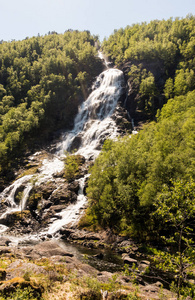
{"x":63,"y":196}
{"x":19,"y":268}
{"x":143,"y":266}
{"x":75,"y":234}
{"x":46,"y":248}
{"x":4,"y":249}
{"x":74,"y":186}
{"x":4,"y":241}
{"x":75,"y":143}
{"x":128,"y":260}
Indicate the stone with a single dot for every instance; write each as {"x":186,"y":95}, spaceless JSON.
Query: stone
{"x":46,"y":248}
{"x":74,"y":186}
{"x":4,"y":249}
{"x":128,"y":260}
{"x":18,"y":268}
{"x":143,"y":266}
{"x":4,"y":241}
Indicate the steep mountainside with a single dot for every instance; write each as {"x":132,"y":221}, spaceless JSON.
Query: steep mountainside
{"x":158,"y":61}
{"x":42,"y":82}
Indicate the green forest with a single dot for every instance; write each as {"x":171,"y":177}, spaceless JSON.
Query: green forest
{"x":141,"y":186}
{"x":137,"y":170}
{"x":161,"y":60}
{"x":42,"y":81}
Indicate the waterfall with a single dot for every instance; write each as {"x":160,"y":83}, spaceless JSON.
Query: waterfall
{"x":70,"y":214}
{"x":93,"y":124}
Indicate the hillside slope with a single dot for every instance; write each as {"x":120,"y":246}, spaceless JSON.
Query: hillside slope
{"x":42,"y":82}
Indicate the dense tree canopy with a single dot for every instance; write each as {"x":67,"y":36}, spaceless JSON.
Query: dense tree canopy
{"x":161,"y":57}
{"x":42,"y":82}
{"x":131,"y":174}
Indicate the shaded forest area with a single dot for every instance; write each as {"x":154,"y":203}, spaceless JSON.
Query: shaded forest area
{"x":42,"y":82}
{"x":158,"y":61}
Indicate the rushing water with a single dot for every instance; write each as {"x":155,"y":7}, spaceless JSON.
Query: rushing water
{"x":70,"y":214}
{"x":93,"y":124}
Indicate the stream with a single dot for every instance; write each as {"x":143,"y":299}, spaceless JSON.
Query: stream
{"x":102,"y":260}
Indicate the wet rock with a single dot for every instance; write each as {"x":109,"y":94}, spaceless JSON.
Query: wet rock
{"x":75,"y":143}
{"x":62,"y":196}
{"x":59,"y":174}
{"x":57,"y":208}
{"x":46,"y":189}
{"x":74,"y":186}
{"x":75,"y":234}
{"x":66,"y":232}
{"x":4,"y":249}
{"x":45,"y":204}
{"x":4,"y":241}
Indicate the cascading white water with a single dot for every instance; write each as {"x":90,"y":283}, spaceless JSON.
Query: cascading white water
{"x":9,"y":194}
{"x":69,"y":215}
{"x":93,"y":124}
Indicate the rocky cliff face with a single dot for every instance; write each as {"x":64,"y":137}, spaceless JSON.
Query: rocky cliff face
{"x":133,"y":101}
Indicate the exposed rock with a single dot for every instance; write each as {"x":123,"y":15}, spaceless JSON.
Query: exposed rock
{"x":128,"y":260}
{"x":59,"y":174}
{"x":18,"y":268}
{"x":122,"y":119}
{"x":57,"y":208}
{"x":75,"y":143}
{"x":143,"y":266}
{"x":75,"y":234}
{"x":74,"y":186}
{"x":4,"y":249}
{"x":47,"y":248}
{"x":45,"y":204}
{"x":47,"y":189}
{"x":62,"y":196}
{"x":104,"y":276}
{"x":152,"y":288}
{"x":4,"y":241}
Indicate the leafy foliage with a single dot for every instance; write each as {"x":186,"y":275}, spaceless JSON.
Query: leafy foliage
{"x":164,"y":51}
{"x":129,"y":174}
{"x":72,"y":163}
{"x":176,"y":214}
{"x":42,"y":82}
